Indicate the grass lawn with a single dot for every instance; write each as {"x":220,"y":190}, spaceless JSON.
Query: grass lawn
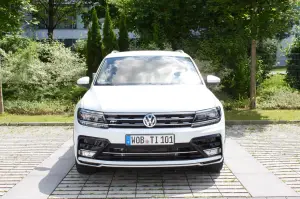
{"x":279,"y":69}
{"x":289,"y":115}
{"x":8,"y":118}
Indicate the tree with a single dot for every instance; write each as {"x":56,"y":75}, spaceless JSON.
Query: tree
{"x":293,"y":66}
{"x":123,"y":34}
{"x":254,"y":20}
{"x":12,"y":15}
{"x":100,"y":6}
{"x":51,"y":13}
{"x":170,"y":21}
{"x":109,"y":37}
{"x":94,"y":46}
{"x":2,"y":57}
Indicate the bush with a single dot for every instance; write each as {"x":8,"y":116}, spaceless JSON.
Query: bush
{"x":80,"y":47}
{"x":293,"y":66}
{"x":229,"y":59}
{"x":13,"y":43}
{"x":275,"y":93}
{"x":41,"y":71}
{"x":46,"y":107}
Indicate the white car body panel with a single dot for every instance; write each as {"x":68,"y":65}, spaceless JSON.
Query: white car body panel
{"x":148,"y":99}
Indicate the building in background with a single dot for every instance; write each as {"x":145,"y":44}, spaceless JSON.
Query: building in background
{"x":67,"y":32}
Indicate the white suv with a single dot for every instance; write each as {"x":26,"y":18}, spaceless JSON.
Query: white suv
{"x":148,"y":109}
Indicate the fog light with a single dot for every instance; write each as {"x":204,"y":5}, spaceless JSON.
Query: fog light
{"x":214,"y":151}
{"x":86,"y":153}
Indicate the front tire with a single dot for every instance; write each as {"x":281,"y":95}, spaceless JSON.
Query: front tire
{"x":82,"y":169}
{"x":215,"y":168}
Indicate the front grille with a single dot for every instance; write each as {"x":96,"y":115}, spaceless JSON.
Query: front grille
{"x":183,"y":151}
{"x":164,"y":120}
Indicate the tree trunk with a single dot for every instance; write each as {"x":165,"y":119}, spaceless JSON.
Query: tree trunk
{"x":50,"y":19}
{"x":1,"y":99}
{"x":253,"y":75}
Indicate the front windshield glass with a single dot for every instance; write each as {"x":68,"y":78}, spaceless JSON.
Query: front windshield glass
{"x":148,"y":70}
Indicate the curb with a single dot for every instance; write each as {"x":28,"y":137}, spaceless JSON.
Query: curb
{"x":37,"y":124}
{"x":260,"y":122}
{"x":228,"y":122}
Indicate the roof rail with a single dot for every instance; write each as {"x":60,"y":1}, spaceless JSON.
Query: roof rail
{"x":114,"y":51}
{"x":181,"y":51}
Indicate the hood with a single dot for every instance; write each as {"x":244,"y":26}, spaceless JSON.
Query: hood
{"x":152,"y":98}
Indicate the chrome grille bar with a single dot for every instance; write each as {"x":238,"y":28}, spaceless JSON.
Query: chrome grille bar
{"x":135,"y":120}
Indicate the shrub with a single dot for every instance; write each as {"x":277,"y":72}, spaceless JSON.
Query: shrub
{"x":41,"y":71}
{"x":80,"y":47}
{"x":13,"y":43}
{"x":282,"y":99}
{"x":293,"y":66}
{"x":38,"y":107}
{"x":275,"y":93}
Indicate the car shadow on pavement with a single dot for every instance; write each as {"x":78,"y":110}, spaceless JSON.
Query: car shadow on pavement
{"x":63,"y":181}
{"x":54,"y":169}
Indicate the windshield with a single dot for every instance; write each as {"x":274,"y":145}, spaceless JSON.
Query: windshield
{"x":148,"y":70}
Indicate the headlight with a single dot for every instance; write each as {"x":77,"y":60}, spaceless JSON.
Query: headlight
{"x":91,"y":118}
{"x":207,"y":117}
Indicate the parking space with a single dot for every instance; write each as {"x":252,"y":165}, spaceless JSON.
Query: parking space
{"x":275,"y":146}
{"x":131,"y":183}
{"x":24,"y":148}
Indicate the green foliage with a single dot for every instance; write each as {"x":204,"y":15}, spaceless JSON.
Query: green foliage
{"x":228,"y":58}
{"x":80,"y":47}
{"x":45,"y":107}
{"x":94,"y":46}
{"x":168,"y":21}
{"x":109,"y":37}
{"x":100,"y":6}
{"x":123,"y":34}
{"x":12,"y":43}
{"x":275,"y":93}
{"x":293,"y":66}
{"x":12,"y":15}
{"x":266,"y":56}
{"x":41,"y":71}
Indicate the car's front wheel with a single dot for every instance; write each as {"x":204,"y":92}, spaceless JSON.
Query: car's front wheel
{"x":85,"y":169}
{"x":215,"y":168}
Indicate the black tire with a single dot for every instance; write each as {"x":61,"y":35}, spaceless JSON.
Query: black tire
{"x":82,"y":169}
{"x":215,"y":168}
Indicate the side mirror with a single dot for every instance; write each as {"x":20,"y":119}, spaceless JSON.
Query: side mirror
{"x":84,"y":82}
{"x":94,"y":74}
{"x":213,"y":80}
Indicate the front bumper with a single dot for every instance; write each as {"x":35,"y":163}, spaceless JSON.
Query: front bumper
{"x":116,"y":137}
{"x":177,"y":163}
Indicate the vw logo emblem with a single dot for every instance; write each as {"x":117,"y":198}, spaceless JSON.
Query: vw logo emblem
{"x":149,"y":120}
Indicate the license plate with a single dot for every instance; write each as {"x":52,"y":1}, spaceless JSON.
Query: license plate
{"x":149,"y":140}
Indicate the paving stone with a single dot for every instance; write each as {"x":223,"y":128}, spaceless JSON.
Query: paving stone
{"x":62,"y":196}
{"x":92,"y":196}
{"x":274,"y":146}
{"x":24,"y":148}
{"x":121,"y":196}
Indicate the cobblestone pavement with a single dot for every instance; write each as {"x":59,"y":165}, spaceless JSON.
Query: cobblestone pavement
{"x":24,"y":148}
{"x":277,"y":147}
{"x":131,"y":183}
